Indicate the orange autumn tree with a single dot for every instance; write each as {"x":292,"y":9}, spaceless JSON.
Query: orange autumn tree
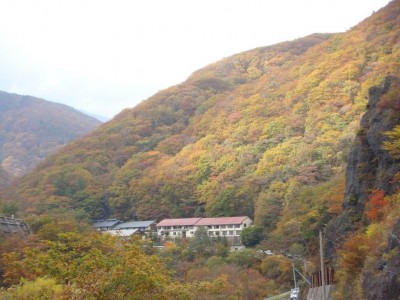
{"x":376,"y":204}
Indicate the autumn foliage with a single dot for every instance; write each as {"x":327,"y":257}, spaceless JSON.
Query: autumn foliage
{"x":377,"y":202}
{"x":243,"y":136}
{"x":93,"y":266}
{"x":264,"y":133}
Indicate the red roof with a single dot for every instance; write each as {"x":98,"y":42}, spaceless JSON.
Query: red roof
{"x":178,"y":222}
{"x":221,"y":221}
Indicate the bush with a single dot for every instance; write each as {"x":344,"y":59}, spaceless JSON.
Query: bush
{"x":252,"y":236}
{"x":39,"y":289}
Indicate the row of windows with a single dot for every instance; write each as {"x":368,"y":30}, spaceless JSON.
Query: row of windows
{"x":215,"y":233}
{"x":209,"y":227}
{"x":224,"y":226}
{"x":176,"y":227}
{"x":224,"y":233}
{"x":179,"y":233}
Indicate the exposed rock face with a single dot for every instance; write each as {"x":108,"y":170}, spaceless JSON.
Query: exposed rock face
{"x":383,"y":282}
{"x":370,"y":167}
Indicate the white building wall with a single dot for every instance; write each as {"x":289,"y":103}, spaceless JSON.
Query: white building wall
{"x":230,"y":230}
{"x":175,"y":231}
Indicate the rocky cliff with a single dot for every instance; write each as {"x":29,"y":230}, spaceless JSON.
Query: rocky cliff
{"x":371,"y":168}
{"x":383,"y":281}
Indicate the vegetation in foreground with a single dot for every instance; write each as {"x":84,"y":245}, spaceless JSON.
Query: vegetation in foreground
{"x":57,"y":262}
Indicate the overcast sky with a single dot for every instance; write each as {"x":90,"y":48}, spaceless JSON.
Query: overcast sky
{"x":103,"y":56}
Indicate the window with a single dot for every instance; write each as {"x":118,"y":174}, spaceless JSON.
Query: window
{"x":238,"y":232}
{"x":244,"y":225}
{"x":217,"y":233}
{"x":216,"y":226}
{"x":230,"y":232}
{"x":230,"y":226}
{"x":237,"y":226}
{"x":223,"y":232}
{"x":223,"y":226}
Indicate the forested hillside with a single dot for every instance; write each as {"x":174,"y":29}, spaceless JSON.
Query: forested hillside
{"x":254,"y":134}
{"x":267,"y":133}
{"x":31,"y":128}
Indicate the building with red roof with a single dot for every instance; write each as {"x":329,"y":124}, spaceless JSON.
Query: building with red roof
{"x":177,"y":227}
{"x":178,"y":222}
{"x":229,"y":227}
{"x":221,"y":221}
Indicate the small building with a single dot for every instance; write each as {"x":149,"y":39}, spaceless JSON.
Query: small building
{"x":183,"y":228}
{"x":140,"y":227}
{"x":104,"y":225}
{"x":125,"y":229}
{"x":122,"y":233}
{"x":13,"y":225}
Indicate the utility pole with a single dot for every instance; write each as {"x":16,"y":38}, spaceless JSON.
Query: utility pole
{"x":321,"y":254}
{"x":294,"y":276}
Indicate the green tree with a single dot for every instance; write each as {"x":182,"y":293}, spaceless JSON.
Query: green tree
{"x":244,"y":258}
{"x":38,"y":289}
{"x":201,"y":243}
{"x":204,"y":246}
{"x":252,"y":236}
{"x":9,"y":208}
{"x":393,"y":146}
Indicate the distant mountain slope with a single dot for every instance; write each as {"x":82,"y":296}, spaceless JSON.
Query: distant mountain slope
{"x":264,"y":133}
{"x":31,"y":128}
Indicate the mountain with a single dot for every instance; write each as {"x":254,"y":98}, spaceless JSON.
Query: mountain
{"x":270,"y":133}
{"x":32,"y":128}
{"x":246,"y":135}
